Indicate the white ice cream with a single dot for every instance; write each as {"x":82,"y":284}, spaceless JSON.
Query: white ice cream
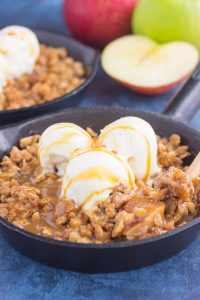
{"x":3,"y":72}
{"x":19,"y":50}
{"x":57,"y":144}
{"x":16,"y":57}
{"x":133,"y":139}
{"x":91,"y":175}
{"x":26,"y":35}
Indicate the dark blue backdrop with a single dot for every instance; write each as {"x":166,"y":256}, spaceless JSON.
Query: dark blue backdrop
{"x":21,"y":278}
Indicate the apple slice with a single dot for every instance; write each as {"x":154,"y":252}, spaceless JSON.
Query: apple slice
{"x":147,"y":67}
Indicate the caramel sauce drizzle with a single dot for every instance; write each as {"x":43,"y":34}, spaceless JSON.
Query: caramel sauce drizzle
{"x":103,"y":173}
{"x":4,"y":52}
{"x":11,"y":33}
{"x":65,"y":138}
{"x":100,"y":149}
{"x":91,"y":173}
{"x":65,"y":125}
{"x":95,"y":193}
{"x":148,"y":161}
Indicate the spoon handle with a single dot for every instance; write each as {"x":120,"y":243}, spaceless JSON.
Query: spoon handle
{"x":194,"y":168}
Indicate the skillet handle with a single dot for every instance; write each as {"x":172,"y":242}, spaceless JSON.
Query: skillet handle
{"x":186,"y":101}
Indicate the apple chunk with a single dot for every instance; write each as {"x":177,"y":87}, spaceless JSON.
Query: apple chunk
{"x":147,"y":67}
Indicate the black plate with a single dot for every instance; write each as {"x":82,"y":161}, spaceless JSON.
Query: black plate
{"x":112,"y":257}
{"x":88,"y":56}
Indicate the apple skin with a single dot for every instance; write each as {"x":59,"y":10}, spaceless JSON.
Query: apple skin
{"x":168,"y":20}
{"x":97,"y":22}
{"x":150,"y":91}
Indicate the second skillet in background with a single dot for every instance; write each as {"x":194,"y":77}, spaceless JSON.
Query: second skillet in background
{"x":90,"y":59}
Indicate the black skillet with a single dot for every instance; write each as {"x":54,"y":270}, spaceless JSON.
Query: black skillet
{"x":78,"y":51}
{"x":116,"y":256}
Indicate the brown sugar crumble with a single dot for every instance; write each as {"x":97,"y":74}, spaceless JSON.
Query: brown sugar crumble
{"x":171,"y":152}
{"x":31,"y":200}
{"x":56,"y":73}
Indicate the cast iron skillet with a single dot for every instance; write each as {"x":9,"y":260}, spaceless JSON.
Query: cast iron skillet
{"x":78,"y":51}
{"x":117,"y":256}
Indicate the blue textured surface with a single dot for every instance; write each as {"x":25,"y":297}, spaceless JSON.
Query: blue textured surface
{"x":21,"y":278}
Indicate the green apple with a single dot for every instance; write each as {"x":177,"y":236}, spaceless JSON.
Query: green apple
{"x":168,"y":20}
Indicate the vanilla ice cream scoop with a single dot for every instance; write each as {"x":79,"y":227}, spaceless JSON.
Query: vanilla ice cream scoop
{"x":17,"y":58}
{"x":26,"y":35}
{"x":19,"y":49}
{"x":57,"y":144}
{"x":133,"y":139}
{"x":3,"y":72}
{"x":91,"y":175}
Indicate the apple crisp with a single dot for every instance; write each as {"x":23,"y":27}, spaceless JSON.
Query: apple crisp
{"x":56,"y":73}
{"x":30,"y":200}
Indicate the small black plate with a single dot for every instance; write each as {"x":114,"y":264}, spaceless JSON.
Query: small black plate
{"x":88,"y":56}
{"x":110,"y":257}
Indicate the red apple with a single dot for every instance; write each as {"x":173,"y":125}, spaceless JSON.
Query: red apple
{"x":144,"y":66}
{"x":97,"y":22}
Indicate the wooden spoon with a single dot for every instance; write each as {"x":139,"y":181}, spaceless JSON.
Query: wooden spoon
{"x":194,"y":168}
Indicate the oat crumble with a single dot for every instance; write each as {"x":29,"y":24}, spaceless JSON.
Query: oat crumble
{"x":56,"y":73}
{"x":30,"y":200}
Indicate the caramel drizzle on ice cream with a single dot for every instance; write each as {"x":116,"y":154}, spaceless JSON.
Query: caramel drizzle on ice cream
{"x":125,"y":127}
{"x":100,"y":149}
{"x":95,"y":193}
{"x":103,"y":174}
{"x":97,"y":172}
{"x":64,"y":139}
{"x":65,"y":125}
{"x":4,"y":52}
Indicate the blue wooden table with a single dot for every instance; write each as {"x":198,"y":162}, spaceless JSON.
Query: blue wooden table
{"x":24,"y":279}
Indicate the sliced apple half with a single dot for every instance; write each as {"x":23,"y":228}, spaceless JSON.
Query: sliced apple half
{"x":146,"y":66}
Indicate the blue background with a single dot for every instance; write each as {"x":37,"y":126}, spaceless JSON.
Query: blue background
{"x":22,"y":278}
